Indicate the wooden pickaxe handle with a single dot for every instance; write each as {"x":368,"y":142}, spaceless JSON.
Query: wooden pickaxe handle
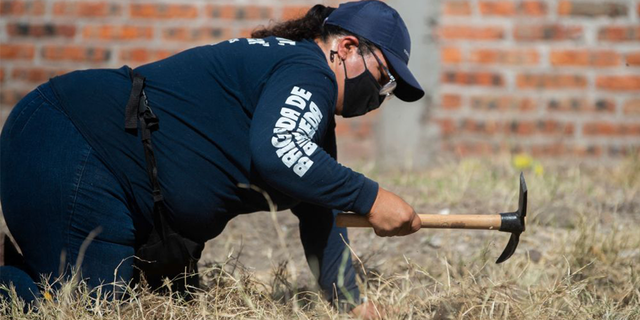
{"x":512,"y":222}
{"x":439,"y":221}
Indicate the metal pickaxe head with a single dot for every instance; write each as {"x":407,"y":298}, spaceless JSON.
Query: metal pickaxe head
{"x":513,"y":222}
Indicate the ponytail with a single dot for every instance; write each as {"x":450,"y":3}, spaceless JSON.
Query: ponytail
{"x":310,"y":26}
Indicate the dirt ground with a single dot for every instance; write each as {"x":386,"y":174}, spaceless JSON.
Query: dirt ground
{"x":253,"y":239}
{"x":578,"y":259}
{"x":467,"y":187}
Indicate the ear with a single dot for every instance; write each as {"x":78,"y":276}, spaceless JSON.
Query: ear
{"x":346,"y":45}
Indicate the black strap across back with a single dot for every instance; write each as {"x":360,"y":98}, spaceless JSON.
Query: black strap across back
{"x":166,"y":253}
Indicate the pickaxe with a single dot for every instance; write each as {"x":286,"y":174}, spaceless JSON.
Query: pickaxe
{"x":512,"y":222}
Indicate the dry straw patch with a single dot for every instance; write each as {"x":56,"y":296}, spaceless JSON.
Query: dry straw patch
{"x":578,"y":259}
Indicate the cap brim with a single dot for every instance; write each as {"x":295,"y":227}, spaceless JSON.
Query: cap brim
{"x":408,"y":88}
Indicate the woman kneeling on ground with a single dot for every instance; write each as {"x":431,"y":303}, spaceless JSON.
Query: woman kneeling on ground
{"x":257,"y":111}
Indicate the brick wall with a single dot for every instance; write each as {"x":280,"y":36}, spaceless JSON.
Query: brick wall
{"x":552,"y":78}
{"x":43,"y":38}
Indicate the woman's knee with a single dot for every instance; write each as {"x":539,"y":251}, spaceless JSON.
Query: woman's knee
{"x":14,"y":278}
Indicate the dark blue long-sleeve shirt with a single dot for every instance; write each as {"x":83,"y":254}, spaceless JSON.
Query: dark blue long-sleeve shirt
{"x":245,"y":111}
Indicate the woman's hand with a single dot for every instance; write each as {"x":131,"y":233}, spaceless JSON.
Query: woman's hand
{"x":392,"y":216}
{"x":367,"y":311}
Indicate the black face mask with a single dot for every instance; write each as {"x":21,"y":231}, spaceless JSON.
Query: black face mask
{"x":361,"y":94}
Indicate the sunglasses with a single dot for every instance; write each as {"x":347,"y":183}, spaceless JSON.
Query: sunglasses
{"x":388,"y":88}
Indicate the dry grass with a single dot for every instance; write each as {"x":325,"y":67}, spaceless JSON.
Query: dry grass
{"x":578,"y":259}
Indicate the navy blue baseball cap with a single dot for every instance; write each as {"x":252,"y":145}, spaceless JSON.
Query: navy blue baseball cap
{"x":382,"y":25}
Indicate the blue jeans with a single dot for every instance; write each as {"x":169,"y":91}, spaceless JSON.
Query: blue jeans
{"x":64,"y":208}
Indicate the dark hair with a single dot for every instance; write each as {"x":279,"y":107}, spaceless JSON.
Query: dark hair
{"x":310,"y":26}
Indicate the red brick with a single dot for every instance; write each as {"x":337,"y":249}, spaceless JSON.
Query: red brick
{"x":243,"y":33}
{"x":36,"y":74}
{"x":619,"y":33}
{"x":87,"y":9}
{"x":583,"y":57}
{"x":163,"y":11}
{"x":471,"y":148}
{"x":231,"y":12}
{"x":10,"y":96}
{"x":253,"y":12}
{"x":591,"y":9}
{"x":40,"y":30}
{"x":447,"y":126}
{"x":533,"y":8}
{"x":548,"y":149}
{"x":227,"y":12}
{"x":479,"y":126}
{"x":115,"y":32}
{"x":618,"y":83}
{"x":450,"y":55}
{"x":473,"y":78}
{"x":604,"y":58}
{"x":17,"y":51}
{"x":550,"y":81}
{"x":543,"y":127}
{"x":75,"y":53}
{"x":505,"y":56}
{"x":195,"y":34}
{"x":623,"y":150}
{"x":491,"y":127}
{"x":511,"y":8}
{"x":603,"y":128}
{"x":360,"y":129}
{"x":456,"y":8}
{"x":549,"y":32}
{"x":502,"y":103}
{"x":458,"y":32}
{"x":451,"y":101}
{"x":143,"y":55}
{"x":581,"y":105}
{"x":632,"y":107}
{"x":586,"y":151}
{"x":632,"y":59}
{"x":22,"y":7}
{"x":497,"y":8}
{"x":294,"y":12}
